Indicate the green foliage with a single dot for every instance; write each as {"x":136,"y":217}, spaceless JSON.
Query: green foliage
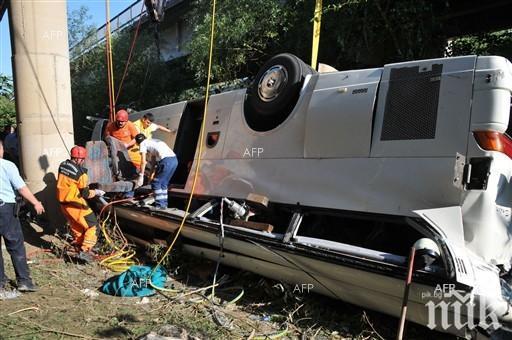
{"x":149,"y":81}
{"x":7,"y":106}
{"x":79,"y":25}
{"x":6,"y":86}
{"x":246,"y":32}
{"x":495,"y":43}
{"x":7,"y":111}
{"x":354,"y":34}
{"x":366,"y":33}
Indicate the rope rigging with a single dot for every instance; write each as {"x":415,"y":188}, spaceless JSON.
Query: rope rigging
{"x":130,"y":53}
{"x":122,"y":258}
{"x":110,"y":69}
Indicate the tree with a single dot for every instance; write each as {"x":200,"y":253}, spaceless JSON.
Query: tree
{"x":7,"y":106}
{"x":367,"y":33}
{"x":6,"y":87}
{"x":246,"y":32}
{"x":355,"y":33}
{"x":494,"y":43}
{"x":149,"y":81}
{"x":79,"y":26}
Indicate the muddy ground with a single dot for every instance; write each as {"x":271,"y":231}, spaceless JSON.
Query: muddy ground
{"x":69,"y":305}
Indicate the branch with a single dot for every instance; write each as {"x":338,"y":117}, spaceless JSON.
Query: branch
{"x":388,"y":27}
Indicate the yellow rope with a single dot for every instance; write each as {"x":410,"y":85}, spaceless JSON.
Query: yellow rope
{"x":109,"y":59}
{"x":121,"y":260}
{"x":201,"y":137}
{"x":278,"y":335}
{"x":317,"y":21}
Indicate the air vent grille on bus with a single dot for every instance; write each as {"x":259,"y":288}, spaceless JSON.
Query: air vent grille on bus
{"x":411,"y":103}
{"x":461,"y":267}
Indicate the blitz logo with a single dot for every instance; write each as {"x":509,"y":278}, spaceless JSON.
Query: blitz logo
{"x":359,"y":91}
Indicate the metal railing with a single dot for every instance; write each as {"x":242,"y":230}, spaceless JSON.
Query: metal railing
{"x":121,"y":21}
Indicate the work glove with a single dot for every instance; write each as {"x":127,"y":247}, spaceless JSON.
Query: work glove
{"x":140,"y":180}
{"x":99,"y":192}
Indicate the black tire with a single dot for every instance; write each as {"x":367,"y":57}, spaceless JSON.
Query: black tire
{"x":275,"y":91}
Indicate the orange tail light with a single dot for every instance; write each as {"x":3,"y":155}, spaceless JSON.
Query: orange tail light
{"x":494,"y":141}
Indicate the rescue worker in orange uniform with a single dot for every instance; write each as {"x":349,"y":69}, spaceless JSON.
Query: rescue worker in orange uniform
{"x":72,"y":192}
{"x":125,"y":131}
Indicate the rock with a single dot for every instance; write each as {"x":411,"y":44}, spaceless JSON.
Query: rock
{"x":167,"y":332}
{"x":90,"y":293}
{"x":8,"y":294}
{"x":143,"y":301}
{"x":173,"y":332}
{"x":154,"y":336}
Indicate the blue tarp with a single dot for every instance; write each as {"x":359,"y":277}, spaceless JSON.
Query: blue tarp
{"x":135,"y":282}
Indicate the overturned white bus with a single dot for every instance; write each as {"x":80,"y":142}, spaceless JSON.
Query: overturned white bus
{"x":330,"y":178}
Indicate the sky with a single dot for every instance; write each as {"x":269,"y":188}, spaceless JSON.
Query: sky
{"x":96,"y":9}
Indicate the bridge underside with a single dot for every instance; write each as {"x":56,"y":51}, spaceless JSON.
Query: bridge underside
{"x":475,"y":16}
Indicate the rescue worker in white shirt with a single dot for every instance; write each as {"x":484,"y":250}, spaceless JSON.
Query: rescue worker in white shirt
{"x":146,"y":126}
{"x":165,"y":167}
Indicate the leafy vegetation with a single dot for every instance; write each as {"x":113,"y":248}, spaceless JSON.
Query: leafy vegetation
{"x":7,"y":106}
{"x":149,"y":81}
{"x":355,"y":34}
{"x":494,"y":43}
{"x":246,"y":32}
{"x":79,"y":26}
{"x":366,"y":33}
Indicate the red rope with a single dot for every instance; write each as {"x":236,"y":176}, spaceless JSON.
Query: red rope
{"x":110,"y":71}
{"x":132,"y":47}
{"x":111,"y":111}
{"x":121,"y":200}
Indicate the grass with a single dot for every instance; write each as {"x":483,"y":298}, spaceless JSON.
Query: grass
{"x":61,"y":309}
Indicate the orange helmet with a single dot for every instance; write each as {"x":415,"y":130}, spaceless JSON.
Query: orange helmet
{"x":78,"y":152}
{"x":122,"y":116}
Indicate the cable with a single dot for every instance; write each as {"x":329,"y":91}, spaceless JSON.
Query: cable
{"x":113,"y":261}
{"x":201,"y":137}
{"x":121,"y":259}
{"x":130,"y":53}
{"x":221,"y":246}
{"x":317,"y":21}
{"x":110,"y":69}
{"x":107,"y":63}
{"x":110,"y":114}
{"x":296,"y":266}
{"x":273,"y":336}
{"x":144,"y":82}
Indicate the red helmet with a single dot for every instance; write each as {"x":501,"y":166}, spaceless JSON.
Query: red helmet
{"x":78,"y":152}
{"x":122,"y":116}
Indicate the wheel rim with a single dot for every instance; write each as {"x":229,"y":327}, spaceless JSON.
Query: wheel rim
{"x":272,"y":82}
